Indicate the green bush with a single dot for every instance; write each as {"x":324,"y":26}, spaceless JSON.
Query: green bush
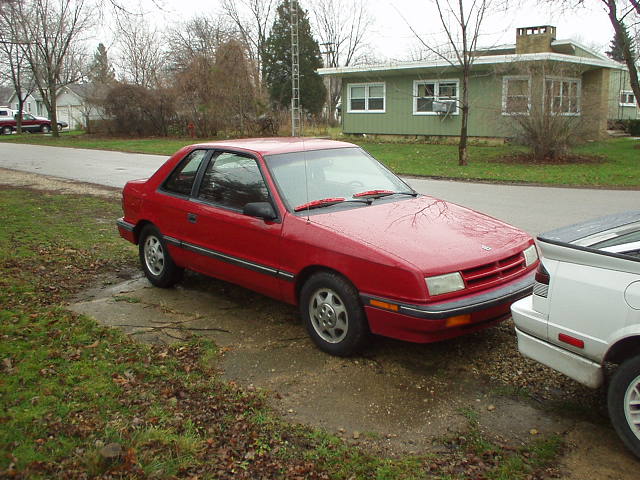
{"x":633,"y":127}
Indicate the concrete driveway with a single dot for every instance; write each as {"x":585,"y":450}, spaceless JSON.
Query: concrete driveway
{"x":534,"y":209}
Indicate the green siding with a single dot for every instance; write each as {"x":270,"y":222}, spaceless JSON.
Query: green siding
{"x":619,"y":80}
{"x":485,"y":118}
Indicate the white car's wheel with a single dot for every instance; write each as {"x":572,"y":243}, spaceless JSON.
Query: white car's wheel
{"x":624,"y":403}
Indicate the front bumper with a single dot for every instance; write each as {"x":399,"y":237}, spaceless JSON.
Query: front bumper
{"x":429,"y":323}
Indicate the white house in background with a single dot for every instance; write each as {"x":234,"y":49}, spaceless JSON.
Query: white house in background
{"x":33,"y":104}
{"x":72,"y":105}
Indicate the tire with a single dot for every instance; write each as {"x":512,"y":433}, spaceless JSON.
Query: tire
{"x":45,"y":128}
{"x":157,"y":264}
{"x":624,"y":389}
{"x":7,"y":130}
{"x":332,"y":313}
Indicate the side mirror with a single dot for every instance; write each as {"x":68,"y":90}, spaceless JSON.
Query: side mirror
{"x":262,"y":210}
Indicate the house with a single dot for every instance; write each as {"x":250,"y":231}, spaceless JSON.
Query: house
{"x":73,"y":105}
{"x":422,"y":98}
{"x":5,"y":93}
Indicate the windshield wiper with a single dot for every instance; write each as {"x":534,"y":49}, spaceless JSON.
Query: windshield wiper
{"x":327,"y":202}
{"x":381,"y":193}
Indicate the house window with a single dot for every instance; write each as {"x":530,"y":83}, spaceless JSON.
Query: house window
{"x":562,"y":95}
{"x":29,"y":107}
{"x":366,"y":97}
{"x":431,"y":97}
{"x":516,"y":95}
{"x":627,"y":98}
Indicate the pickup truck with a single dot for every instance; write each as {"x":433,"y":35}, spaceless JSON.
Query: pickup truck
{"x":30,"y":123}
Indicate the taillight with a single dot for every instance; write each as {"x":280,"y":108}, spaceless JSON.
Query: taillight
{"x":542,"y":276}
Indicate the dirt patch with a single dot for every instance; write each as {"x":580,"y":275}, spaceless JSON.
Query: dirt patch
{"x":47,"y":183}
{"x":570,"y":159}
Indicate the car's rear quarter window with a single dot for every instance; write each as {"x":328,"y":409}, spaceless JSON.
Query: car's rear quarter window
{"x":181,"y":179}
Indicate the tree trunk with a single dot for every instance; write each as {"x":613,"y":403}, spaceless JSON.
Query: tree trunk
{"x":626,"y":47}
{"x":20,"y":109}
{"x":462,"y":147}
{"x":53,"y":112}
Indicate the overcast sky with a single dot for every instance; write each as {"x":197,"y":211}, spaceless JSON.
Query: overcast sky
{"x":391,"y":38}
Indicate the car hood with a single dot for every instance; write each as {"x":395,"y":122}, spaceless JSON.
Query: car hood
{"x":434,"y":235}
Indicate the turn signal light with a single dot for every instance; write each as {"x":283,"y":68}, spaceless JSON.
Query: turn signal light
{"x":387,"y":306}
{"x":458,"y":320}
{"x":542,"y":275}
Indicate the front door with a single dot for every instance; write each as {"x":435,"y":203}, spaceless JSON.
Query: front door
{"x":238,"y":248}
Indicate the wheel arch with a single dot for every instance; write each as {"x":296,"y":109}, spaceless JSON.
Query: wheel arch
{"x":623,"y":349}
{"x":308,"y":271}
{"x":138,"y":228}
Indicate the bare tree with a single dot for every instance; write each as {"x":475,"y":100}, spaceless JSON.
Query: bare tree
{"x":461,"y":21}
{"x":253,"y":19}
{"x":142,"y":58}
{"x":199,"y":36}
{"x":13,"y":59}
{"x":617,"y":17}
{"x":342,"y":36}
{"x":50,"y":31}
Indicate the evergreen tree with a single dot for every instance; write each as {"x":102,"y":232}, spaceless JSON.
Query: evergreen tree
{"x":616,"y":46}
{"x":101,"y":71}
{"x":277,"y":62}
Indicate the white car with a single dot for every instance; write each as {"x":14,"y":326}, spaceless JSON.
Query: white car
{"x":585,"y":312}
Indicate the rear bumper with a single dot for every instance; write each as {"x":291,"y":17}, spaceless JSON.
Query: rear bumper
{"x":126,"y":230}
{"x":429,"y":323}
{"x":574,"y":366}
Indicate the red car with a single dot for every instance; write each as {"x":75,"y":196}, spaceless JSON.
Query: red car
{"x":322,"y":225}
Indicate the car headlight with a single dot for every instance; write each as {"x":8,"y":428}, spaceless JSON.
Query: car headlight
{"x":530,"y":255}
{"x":449,"y":282}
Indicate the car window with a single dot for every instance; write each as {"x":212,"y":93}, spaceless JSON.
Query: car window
{"x":182,"y":178}
{"x":233,"y":180}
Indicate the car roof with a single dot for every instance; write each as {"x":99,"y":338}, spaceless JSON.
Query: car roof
{"x":275,"y":145}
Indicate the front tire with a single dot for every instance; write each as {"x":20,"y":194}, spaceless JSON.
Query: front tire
{"x":624,"y":403}
{"x":45,"y":128}
{"x":156,"y":262}
{"x":332,"y":314}
{"x":7,"y":130}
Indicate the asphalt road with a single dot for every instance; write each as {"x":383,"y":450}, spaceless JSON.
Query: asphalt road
{"x":534,"y":209}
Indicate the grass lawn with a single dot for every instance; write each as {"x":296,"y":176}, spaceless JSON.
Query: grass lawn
{"x":78,"y":400}
{"x":620,"y":165}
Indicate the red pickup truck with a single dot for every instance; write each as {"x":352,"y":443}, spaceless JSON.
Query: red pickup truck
{"x":30,"y":123}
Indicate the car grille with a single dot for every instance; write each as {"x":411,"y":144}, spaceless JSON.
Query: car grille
{"x":493,"y":273}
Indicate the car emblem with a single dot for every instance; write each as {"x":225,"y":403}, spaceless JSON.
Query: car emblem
{"x":485,"y":247}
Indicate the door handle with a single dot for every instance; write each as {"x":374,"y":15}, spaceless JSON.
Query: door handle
{"x":192,"y":217}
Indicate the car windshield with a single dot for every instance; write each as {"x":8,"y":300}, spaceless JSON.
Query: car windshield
{"x":310,"y":176}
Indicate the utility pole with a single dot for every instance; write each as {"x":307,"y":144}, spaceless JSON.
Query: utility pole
{"x":296,"y":129}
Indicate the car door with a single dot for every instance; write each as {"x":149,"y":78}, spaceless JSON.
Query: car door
{"x":171,"y":208}
{"x":237,"y":247}
{"x":29,"y":122}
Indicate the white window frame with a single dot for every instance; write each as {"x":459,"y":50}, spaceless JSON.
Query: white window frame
{"x":366,"y":97}
{"x":436,"y":94}
{"x":578,"y":82}
{"x":505,"y":81}
{"x":627,"y":93}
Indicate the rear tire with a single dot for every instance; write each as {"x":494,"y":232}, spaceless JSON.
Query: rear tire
{"x":333,"y":315}
{"x":7,"y":130}
{"x":623,"y":400}
{"x":156,"y":262}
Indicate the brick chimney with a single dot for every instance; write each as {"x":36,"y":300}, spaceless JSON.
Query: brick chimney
{"x":535,"y":39}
